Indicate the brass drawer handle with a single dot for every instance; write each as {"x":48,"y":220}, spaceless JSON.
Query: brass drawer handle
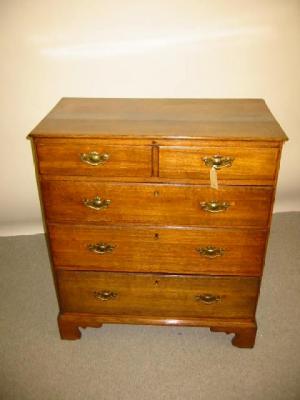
{"x":101,"y":248}
{"x":96,"y":203}
{"x":210,"y":251}
{"x":105,"y":295}
{"x":214,"y":206}
{"x":94,"y":158}
{"x":218,"y":161}
{"x":208,"y":298}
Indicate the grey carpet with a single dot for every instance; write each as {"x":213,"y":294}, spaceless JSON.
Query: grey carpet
{"x":145,"y":362}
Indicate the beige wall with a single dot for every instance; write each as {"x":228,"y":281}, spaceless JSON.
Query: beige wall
{"x":157,"y":48}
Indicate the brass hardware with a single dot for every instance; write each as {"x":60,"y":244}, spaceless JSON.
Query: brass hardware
{"x":105,"y":295}
{"x":210,"y":251}
{"x":214,"y":206}
{"x":156,"y":193}
{"x":97,"y":203}
{"x":207,"y":298}
{"x":94,"y":158}
{"x":101,"y":248}
{"x":218,"y":161}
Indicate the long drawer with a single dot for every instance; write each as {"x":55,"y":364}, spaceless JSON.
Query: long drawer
{"x":138,"y":249}
{"x":246,"y":165}
{"x":158,"y":204}
{"x":157,"y":295}
{"x":93,"y":158}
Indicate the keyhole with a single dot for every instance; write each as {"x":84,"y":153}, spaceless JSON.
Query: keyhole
{"x":156,"y":236}
{"x":156,"y":282}
{"x":156,"y":193}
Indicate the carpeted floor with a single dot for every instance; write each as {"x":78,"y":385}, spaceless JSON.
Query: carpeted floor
{"x":145,"y":362}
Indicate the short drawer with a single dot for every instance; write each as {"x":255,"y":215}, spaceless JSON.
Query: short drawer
{"x":158,"y":204}
{"x":162,"y":250}
{"x":93,"y":158}
{"x":234,"y":164}
{"x":157,"y":295}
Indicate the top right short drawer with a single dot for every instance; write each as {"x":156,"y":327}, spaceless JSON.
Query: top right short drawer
{"x":235,"y":165}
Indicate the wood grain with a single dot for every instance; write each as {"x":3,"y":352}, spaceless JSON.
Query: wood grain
{"x":153,"y":249}
{"x":244,"y":119}
{"x":248,"y":165}
{"x":65,"y":160}
{"x":157,"y":295}
{"x":167,"y":205}
{"x":244,"y":329}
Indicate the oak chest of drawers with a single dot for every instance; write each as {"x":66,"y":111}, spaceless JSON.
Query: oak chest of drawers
{"x":158,"y":211}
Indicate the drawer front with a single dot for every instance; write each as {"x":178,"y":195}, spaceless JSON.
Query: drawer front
{"x":94,"y":158}
{"x":157,"y":295}
{"x":156,"y":204}
{"x":182,"y":251}
{"x":247,"y":165}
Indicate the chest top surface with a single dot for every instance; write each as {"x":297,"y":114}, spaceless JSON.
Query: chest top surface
{"x":217,"y":119}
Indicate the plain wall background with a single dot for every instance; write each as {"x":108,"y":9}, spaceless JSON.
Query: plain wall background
{"x":126,"y":48}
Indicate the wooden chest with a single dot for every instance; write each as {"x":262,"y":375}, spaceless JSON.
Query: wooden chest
{"x":158,"y":211}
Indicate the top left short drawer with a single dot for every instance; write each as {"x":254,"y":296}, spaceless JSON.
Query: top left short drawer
{"x":93,"y":158}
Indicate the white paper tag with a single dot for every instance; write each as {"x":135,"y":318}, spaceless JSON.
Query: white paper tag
{"x":213,"y":178}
